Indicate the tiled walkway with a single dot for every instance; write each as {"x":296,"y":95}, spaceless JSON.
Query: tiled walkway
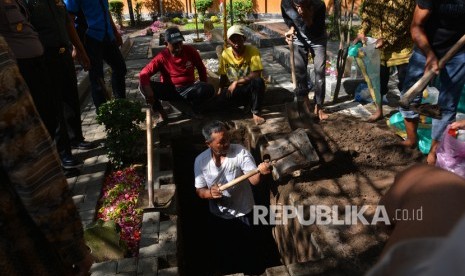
{"x":87,"y":185}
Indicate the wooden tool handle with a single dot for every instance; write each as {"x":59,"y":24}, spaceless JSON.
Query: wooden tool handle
{"x":291,"y":52}
{"x":421,"y":83}
{"x":238,"y":179}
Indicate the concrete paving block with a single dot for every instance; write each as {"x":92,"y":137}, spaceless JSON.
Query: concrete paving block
{"x":163,"y":197}
{"x":168,"y":226}
{"x":78,"y":199}
{"x":319,"y":267}
{"x":104,"y":269}
{"x":147,"y":239}
{"x":152,"y":217}
{"x":168,"y":231}
{"x":236,"y":274}
{"x":293,"y":151}
{"x":133,"y":273}
{"x":87,"y":215}
{"x":127,"y":265}
{"x":86,"y":206}
{"x":172,"y":271}
{"x":91,"y":161}
{"x":277,"y":271}
{"x":160,"y":249}
{"x":149,"y":228}
{"x":162,"y":177}
{"x":147,"y":266}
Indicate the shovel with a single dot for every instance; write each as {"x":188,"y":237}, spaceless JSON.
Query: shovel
{"x":420,"y":85}
{"x":237,"y":180}
{"x":293,"y":77}
{"x":297,"y":142}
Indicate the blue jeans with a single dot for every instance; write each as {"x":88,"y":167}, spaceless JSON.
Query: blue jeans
{"x":106,"y":50}
{"x":451,"y":82}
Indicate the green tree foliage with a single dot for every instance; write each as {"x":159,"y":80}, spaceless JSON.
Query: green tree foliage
{"x":138,"y":12}
{"x":241,"y":8}
{"x":203,"y":5}
{"x":116,"y":9}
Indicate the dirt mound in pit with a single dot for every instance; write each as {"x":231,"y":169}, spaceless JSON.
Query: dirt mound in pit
{"x":359,"y":163}
{"x":370,"y":145}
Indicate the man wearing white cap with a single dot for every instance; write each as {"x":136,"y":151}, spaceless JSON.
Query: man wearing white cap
{"x":241,"y":73}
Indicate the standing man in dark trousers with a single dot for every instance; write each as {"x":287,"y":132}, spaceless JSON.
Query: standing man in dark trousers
{"x":306,"y":22}
{"x":25,"y":44}
{"x":102,"y":42}
{"x":58,"y":35}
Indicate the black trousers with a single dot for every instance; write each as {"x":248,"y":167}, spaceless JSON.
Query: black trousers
{"x":39,"y":80}
{"x":108,"y":51}
{"x":234,"y":245}
{"x":384,"y":77}
{"x":61,"y":67}
{"x":250,"y":94}
{"x":193,"y":95}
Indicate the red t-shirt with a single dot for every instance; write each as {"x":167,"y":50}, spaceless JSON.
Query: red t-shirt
{"x":176,"y":70}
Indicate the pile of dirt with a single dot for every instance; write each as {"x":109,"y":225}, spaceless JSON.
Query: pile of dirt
{"x":359,"y":161}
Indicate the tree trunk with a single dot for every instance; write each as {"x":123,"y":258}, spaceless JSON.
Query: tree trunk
{"x":131,"y":13}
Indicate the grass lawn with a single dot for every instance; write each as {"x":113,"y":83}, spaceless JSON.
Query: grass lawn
{"x":191,"y":26}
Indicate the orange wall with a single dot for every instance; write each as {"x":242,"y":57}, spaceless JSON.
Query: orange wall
{"x":260,"y":6}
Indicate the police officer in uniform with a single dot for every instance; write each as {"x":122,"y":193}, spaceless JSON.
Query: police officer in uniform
{"x":25,"y":44}
{"x":58,"y":35}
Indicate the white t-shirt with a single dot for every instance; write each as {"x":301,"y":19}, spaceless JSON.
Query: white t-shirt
{"x":236,"y":201}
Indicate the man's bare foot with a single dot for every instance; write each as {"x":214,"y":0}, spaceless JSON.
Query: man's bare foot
{"x":375,"y":117}
{"x":431,"y":158}
{"x":258,"y":120}
{"x":409,"y":144}
{"x":162,"y":119}
{"x":320,"y":113}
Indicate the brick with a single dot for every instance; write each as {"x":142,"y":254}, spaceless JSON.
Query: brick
{"x":277,"y":271}
{"x":172,"y":271}
{"x":148,"y":239}
{"x":103,"y":269}
{"x":127,"y":265}
{"x":147,"y":266}
{"x":159,"y":249}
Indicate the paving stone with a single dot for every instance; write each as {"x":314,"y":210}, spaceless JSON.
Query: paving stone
{"x":172,"y":271}
{"x":127,"y":265}
{"x":104,"y":268}
{"x":312,"y":267}
{"x":159,"y":249}
{"x":277,"y":271}
{"x":147,"y":266}
{"x":148,"y":238}
{"x":86,"y":206}
{"x":87,"y":215}
{"x":168,"y":231}
{"x":78,"y":199}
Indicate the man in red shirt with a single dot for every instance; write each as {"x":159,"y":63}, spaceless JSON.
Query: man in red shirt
{"x":178,"y":85}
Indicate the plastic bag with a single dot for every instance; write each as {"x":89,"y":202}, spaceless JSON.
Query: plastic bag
{"x":396,"y":123}
{"x":450,"y":154}
{"x":368,"y":60}
{"x":362,"y":94}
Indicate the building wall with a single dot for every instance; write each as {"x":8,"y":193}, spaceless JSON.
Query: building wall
{"x":260,"y":6}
